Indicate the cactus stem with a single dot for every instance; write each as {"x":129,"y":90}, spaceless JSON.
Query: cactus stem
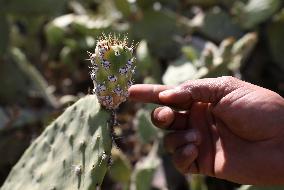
{"x":114,"y":117}
{"x":112,"y":122}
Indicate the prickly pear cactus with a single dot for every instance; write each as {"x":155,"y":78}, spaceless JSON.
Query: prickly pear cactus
{"x":72,"y":153}
{"x":112,"y":70}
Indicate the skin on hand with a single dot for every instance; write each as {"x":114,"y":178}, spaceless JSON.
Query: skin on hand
{"x":221,"y":127}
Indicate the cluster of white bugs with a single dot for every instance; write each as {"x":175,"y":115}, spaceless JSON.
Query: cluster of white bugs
{"x":116,"y":53}
{"x":123,"y":71}
{"x":112,"y":78}
{"x":100,"y":88}
{"x":94,"y":67}
{"x":106,"y":100}
{"x":77,"y":169}
{"x":118,"y":91}
{"x":93,"y":75}
{"x":129,"y":83}
{"x":106,"y":64}
{"x":104,"y":157}
{"x":102,"y":48}
{"x":129,"y":64}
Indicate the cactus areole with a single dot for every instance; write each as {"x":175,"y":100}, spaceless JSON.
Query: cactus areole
{"x":112,"y":70}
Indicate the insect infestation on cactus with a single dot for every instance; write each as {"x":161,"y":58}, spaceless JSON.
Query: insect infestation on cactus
{"x":112,"y":68}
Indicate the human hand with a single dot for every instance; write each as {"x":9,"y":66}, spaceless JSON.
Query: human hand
{"x":228,"y":128}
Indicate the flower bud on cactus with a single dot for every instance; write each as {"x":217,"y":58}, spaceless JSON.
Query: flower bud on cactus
{"x":112,"y":70}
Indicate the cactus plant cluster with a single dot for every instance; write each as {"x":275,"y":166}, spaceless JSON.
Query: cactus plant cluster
{"x":112,"y":68}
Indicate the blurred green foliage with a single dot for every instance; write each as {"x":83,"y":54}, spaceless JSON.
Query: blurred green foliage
{"x":43,"y":47}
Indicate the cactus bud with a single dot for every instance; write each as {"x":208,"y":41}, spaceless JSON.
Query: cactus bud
{"x":112,"y":70}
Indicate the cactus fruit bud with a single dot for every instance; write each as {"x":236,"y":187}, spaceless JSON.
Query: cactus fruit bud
{"x":112,"y":70}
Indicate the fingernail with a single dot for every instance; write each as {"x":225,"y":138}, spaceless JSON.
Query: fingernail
{"x":167,"y":92}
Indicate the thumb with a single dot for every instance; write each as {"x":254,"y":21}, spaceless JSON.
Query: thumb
{"x":209,"y":90}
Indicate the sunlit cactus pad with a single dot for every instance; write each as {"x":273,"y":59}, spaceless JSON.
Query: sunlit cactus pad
{"x":72,"y":153}
{"x":112,"y":70}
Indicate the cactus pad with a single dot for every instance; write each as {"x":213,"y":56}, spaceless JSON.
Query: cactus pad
{"x":112,"y":70}
{"x":72,"y":153}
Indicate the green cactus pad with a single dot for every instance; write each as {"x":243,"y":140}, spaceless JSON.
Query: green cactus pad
{"x":72,"y":153}
{"x":112,"y":70}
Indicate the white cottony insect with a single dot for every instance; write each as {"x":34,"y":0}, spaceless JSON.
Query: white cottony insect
{"x":107,"y":100}
{"x":101,"y":55}
{"x":117,"y":91}
{"x":116,"y":53}
{"x":106,"y":64}
{"x":93,"y":75}
{"x":112,"y":78}
{"x":94,"y":68}
{"x":129,"y":64}
{"x":93,"y":61}
{"x":133,"y":70}
{"x":129,"y":83}
{"x":131,"y":50}
{"x":104,"y":157}
{"x":126,"y":94}
{"x":123,"y":70}
{"x":100,"y":88}
{"x":103,"y":49}
{"x":77,"y":169}
{"x":92,"y":57}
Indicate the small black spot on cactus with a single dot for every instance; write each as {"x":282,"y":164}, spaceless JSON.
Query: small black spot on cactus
{"x":63,"y":128}
{"x":71,"y":139}
{"x":64,"y":163}
{"x":74,"y":108}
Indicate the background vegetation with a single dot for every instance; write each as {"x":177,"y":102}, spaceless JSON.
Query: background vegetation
{"x":43,"y":47}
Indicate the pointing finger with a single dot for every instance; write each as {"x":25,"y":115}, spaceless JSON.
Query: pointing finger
{"x":147,"y":93}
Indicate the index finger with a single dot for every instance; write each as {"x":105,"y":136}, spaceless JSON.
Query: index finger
{"x":147,"y":93}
